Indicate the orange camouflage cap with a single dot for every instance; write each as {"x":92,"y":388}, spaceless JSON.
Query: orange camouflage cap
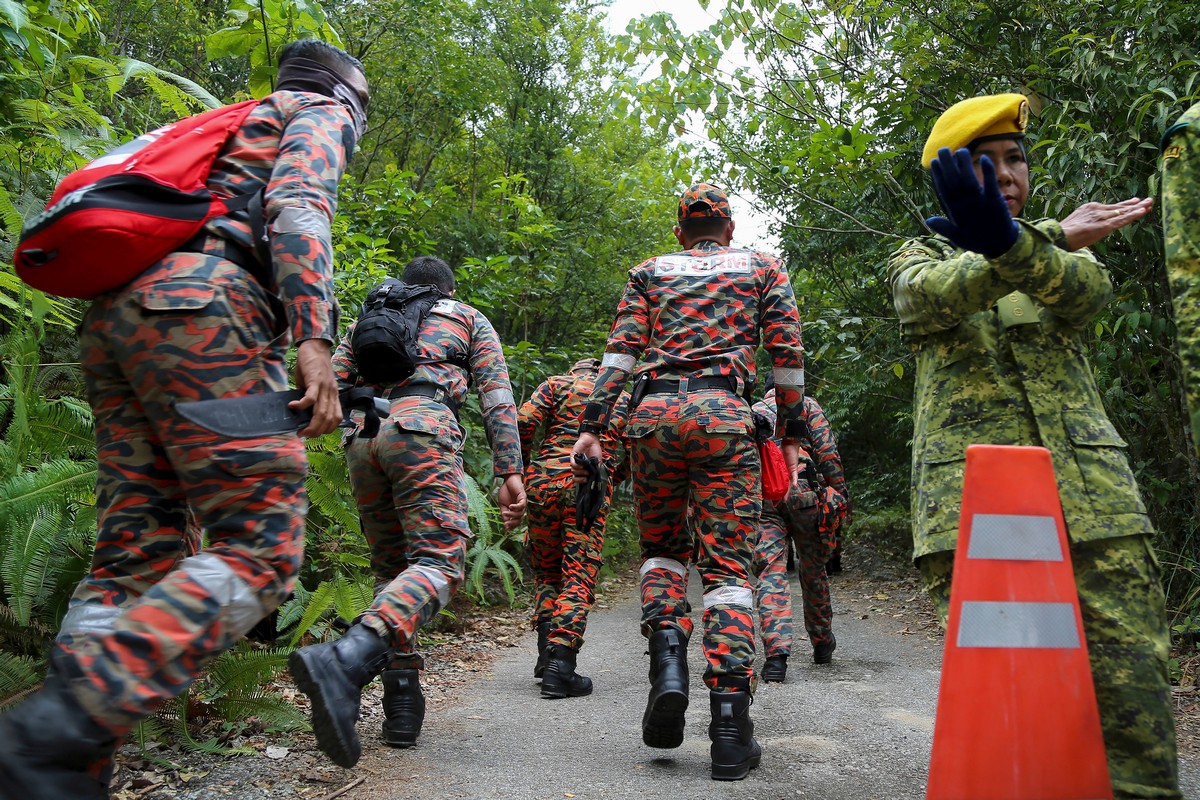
{"x":589,"y":364}
{"x":702,"y":201}
{"x":991,"y":116}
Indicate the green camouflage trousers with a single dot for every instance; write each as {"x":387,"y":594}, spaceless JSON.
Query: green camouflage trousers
{"x":1124,"y":620}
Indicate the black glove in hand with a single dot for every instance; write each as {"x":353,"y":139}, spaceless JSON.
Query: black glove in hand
{"x":978,"y":216}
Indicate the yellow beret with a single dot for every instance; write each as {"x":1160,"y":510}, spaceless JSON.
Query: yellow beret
{"x":964,"y":122}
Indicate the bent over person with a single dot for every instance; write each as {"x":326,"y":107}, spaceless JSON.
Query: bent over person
{"x":565,"y":552}
{"x":207,"y":322}
{"x":695,"y":319}
{"x":807,"y":517}
{"x":410,"y":487}
{"x":997,"y":309}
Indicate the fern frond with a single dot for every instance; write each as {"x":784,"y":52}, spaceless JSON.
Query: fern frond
{"x":242,"y":670}
{"x":50,"y":481}
{"x":477,"y":508}
{"x":29,"y":559}
{"x":320,"y":602}
{"x":18,"y":675}
{"x":354,"y":595}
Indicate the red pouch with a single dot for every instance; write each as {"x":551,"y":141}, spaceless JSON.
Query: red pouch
{"x":775,"y":479}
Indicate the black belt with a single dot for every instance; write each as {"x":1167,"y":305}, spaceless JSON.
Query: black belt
{"x":671,"y":386}
{"x":435,"y":393}
{"x":229,"y":250}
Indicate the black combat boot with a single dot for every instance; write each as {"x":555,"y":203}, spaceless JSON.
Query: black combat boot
{"x":734,"y":749}
{"x":559,"y":680}
{"x":662,"y":724}
{"x":403,"y":707}
{"x":775,"y":668}
{"x":51,"y":749}
{"x":332,"y":674}
{"x":543,"y":632}
{"x":823,"y":651}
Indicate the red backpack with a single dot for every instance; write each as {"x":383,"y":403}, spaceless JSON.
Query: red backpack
{"x":106,"y":223}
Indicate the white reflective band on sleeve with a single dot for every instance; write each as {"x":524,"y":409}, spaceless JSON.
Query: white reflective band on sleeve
{"x":294,"y":219}
{"x":89,"y":618}
{"x":729,"y":596}
{"x":240,"y":607}
{"x":1014,"y":537}
{"x":439,"y":580}
{"x":618,"y":361}
{"x":662,"y":563}
{"x":1003,"y":624}
{"x":789,"y":376}
{"x":496,"y":397}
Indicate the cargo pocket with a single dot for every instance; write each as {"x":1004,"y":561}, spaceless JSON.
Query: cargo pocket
{"x":941,"y":465}
{"x":1100,"y":456}
{"x":730,"y":421}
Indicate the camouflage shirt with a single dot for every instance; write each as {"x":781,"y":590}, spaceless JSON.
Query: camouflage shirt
{"x":296,"y":144}
{"x":555,"y":407}
{"x":1001,"y":359}
{"x":820,"y":450}
{"x":1181,"y":235}
{"x":705,"y":311}
{"x":453,"y":332}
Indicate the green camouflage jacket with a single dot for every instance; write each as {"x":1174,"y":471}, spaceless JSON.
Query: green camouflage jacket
{"x":1001,"y":359}
{"x":1181,"y":235}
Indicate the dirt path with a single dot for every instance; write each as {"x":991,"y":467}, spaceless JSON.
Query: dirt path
{"x":859,"y":728}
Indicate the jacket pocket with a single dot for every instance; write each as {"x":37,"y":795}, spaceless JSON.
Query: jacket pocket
{"x":1100,"y":456}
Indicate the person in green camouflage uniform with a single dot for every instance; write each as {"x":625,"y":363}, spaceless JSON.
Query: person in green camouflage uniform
{"x":410,"y":487}
{"x":1181,"y":235}
{"x":996,"y":309}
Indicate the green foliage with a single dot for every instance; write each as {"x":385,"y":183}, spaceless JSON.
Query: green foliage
{"x":825,"y":123}
{"x":260,"y":28}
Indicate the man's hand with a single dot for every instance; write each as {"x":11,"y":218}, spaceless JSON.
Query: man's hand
{"x":512,"y":501}
{"x":314,"y":376}
{"x":1091,"y":222}
{"x":588,"y":444}
{"x":791,"y":457}
{"x":977,"y":218}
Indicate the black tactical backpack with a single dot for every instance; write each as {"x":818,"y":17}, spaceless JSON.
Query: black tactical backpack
{"x":385,"y":337}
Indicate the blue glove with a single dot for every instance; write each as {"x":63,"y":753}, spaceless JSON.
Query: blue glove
{"x":978,"y":216}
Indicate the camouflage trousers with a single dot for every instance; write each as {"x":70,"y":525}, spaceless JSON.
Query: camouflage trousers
{"x":774,"y":598}
{"x":565,"y":561}
{"x":689,"y":480}
{"x":151,"y":614}
{"x":412,"y":500}
{"x":1124,"y":621}
{"x":813,"y":549}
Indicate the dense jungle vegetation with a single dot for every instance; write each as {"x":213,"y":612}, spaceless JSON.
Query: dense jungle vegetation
{"x":542,"y":157}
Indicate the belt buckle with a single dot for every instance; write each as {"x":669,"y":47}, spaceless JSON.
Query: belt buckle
{"x":683,"y":384}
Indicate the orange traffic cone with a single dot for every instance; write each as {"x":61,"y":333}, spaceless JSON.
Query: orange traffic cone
{"x":1016,"y":716}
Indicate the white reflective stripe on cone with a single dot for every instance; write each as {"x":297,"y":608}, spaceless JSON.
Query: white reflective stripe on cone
{"x":1011,"y":624}
{"x":1014,"y":537}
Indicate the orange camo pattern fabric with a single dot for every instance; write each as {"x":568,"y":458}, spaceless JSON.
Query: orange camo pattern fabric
{"x":452,"y":330}
{"x":565,"y":561}
{"x":409,"y":482}
{"x":295,"y":144}
{"x":704,"y":311}
{"x":190,"y":328}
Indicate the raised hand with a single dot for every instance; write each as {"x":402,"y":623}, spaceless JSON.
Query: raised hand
{"x":977,"y":218}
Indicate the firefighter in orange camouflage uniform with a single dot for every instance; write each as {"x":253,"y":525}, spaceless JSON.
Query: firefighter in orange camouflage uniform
{"x":411,"y":491}
{"x":207,"y":322}
{"x":808,"y":516}
{"x":695,"y":319}
{"x":565,"y":559}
